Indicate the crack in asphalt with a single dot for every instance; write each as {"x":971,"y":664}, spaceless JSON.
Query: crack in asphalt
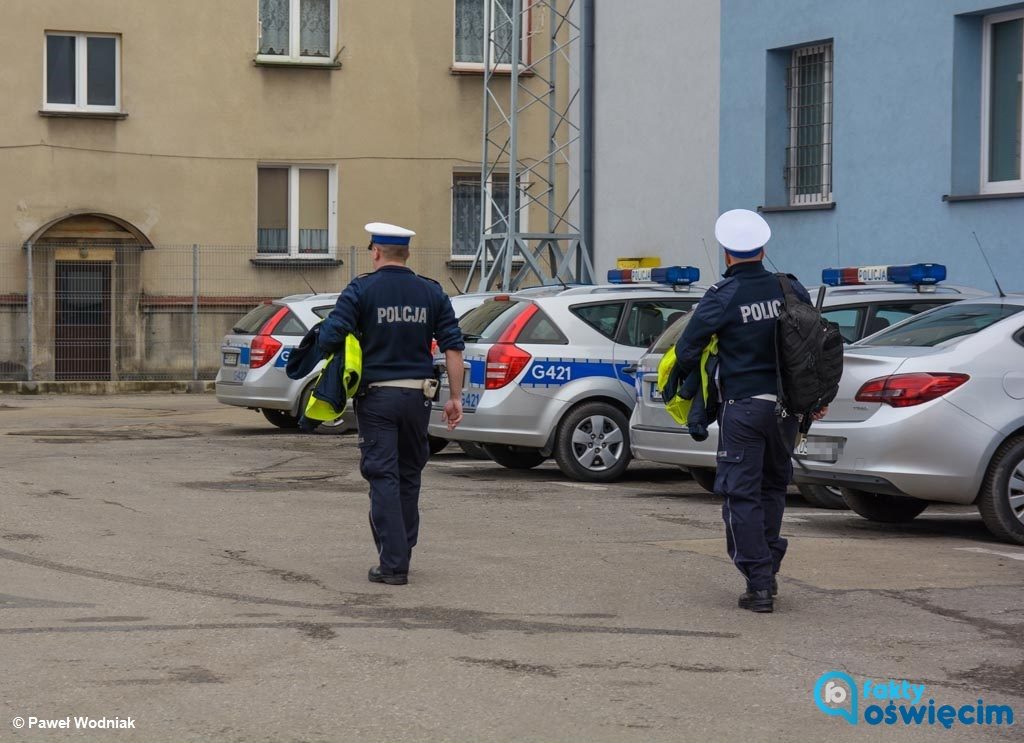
{"x":366,"y":608}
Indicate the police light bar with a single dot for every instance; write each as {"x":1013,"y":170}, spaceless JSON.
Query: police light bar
{"x":919,"y":274}
{"x":671,"y":275}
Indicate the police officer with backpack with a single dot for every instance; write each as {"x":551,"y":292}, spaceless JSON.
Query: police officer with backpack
{"x":395,"y":314}
{"x":756,"y":439}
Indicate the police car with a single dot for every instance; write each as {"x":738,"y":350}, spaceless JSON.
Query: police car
{"x":549,"y":373}
{"x":860,"y":300}
{"x":255,"y":352}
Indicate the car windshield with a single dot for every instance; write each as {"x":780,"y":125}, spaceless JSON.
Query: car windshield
{"x":943,"y":325}
{"x":486,"y":323}
{"x":668,"y":339}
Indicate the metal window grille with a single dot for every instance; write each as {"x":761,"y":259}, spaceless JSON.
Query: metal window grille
{"x":809,"y":155}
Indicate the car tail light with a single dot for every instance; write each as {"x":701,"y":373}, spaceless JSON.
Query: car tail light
{"x":433,"y":347}
{"x":504,"y":362}
{"x":264,"y":347}
{"x":904,"y":390}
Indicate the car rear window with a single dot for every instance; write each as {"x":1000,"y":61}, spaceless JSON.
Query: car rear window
{"x":486,"y":323}
{"x":256,"y":318}
{"x":943,"y":324}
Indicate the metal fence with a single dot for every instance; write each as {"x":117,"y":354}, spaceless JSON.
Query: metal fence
{"x":120,"y":311}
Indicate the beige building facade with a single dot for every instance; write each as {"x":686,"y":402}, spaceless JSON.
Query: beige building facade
{"x":168,"y":160}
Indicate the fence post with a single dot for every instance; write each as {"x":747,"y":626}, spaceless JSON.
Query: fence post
{"x":30,"y":315}
{"x":351,"y":263}
{"x":195,"y":312}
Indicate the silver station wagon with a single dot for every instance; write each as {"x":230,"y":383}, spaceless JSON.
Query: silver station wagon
{"x":549,"y":373}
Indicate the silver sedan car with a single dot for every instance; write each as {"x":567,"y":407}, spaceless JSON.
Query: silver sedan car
{"x":931,"y":410}
{"x":858,"y":310}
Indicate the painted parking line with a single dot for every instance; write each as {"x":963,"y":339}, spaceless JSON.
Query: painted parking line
{"x":985,"y":551}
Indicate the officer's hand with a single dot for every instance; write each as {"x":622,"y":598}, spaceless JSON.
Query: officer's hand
{"x":452,"y":414}
{"x":819,"y":414}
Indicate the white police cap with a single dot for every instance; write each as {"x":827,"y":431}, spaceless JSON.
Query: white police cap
{"x":388,"y":234}
{"x":742,"y":232}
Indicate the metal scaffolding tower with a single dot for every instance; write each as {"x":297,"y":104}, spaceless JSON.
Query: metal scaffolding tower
{"x":518,"y":87}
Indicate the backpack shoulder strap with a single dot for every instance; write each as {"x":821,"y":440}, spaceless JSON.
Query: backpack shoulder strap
{"x":787,"y":288}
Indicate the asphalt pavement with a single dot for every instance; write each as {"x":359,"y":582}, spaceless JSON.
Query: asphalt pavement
{"x":186,"y":567}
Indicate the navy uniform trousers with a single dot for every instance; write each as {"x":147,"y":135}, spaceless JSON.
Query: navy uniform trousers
{"x":754,"y":470}
{"x":393,"y":450}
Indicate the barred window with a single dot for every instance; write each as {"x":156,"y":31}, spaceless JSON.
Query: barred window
{"x":809,"y":155}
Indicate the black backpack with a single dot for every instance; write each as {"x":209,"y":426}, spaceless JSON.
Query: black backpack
{"x":809,"y":356}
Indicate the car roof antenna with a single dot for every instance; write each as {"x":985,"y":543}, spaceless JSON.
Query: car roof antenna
{"x":458,"y":291}
{"x":1002,"y":294}
{"x":303,"y":277}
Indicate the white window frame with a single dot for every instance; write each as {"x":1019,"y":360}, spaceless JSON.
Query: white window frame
{"x":986,"y":100}
{"x":295,"y":37}
{"x":524,"y":206}
{"x":293,"y":210}
{"x":81,"y":104}
{"x":525,"y":48}
{"x":827,"y":174}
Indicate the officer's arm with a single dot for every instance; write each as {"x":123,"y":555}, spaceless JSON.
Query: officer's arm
{"x":706,"y":321}
{"x":341,"y":321}
{"x":447,"y":332}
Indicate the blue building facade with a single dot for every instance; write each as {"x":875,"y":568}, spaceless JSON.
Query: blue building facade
{"x":877,"y":132}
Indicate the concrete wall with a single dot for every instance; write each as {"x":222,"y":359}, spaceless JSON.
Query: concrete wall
{"x":906,"y":132}
{"x":656,"y":131}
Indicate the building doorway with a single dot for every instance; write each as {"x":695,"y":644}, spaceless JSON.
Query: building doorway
{"x":82,"y":331}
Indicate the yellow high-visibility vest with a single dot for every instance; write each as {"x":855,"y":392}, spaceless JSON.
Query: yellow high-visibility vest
{"x":678,"y":407}
{"x":318,"y":409}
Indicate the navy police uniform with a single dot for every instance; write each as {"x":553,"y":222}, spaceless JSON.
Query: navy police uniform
{"x":395,"y":314}
{"x":755,"y":445}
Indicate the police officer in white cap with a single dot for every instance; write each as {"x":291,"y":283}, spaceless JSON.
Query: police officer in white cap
{"x":755,"y":444}
{"x":396,"y":314}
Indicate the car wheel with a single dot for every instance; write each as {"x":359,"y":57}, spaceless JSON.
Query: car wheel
{"x":593,"y":443}
{"x":1002,"y":493}
{"x":888,"y":509}
{"x":705,"y":477}
{"x":472,"y":450}
{"x":436,"y":444}
{"x":823,"y":496}
{"x":514,"y":457}
{"x":280,"y":418}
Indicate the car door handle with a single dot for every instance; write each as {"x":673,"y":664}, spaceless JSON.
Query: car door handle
{"x":631,"y":370}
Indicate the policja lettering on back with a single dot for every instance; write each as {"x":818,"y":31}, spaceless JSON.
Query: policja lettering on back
{"x":396,"y":315}
{"x":755,"y":446}
{"x":402,"y":314}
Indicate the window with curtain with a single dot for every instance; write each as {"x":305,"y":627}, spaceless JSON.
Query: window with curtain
{"x":471,"y":31}
{"x":467,"y":200}
{"x":1002,"y":116}
{"x":809,"y":155}
{"x":297,"y":29}
{"x":82,"y":72}
{"x":294,"y":210}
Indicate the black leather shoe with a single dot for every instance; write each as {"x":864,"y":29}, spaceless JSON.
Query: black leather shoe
{"x":392,"y":579}
{"x":775,"y":586}
{"x":758,"y":601}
